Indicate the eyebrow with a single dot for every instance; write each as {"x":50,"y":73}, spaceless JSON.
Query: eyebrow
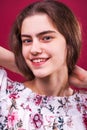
{"x":39,"y":34}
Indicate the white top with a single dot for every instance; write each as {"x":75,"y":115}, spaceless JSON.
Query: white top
{"x":22,"y":109}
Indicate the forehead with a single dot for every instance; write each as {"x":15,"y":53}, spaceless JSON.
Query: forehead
{"x":36,"y":23}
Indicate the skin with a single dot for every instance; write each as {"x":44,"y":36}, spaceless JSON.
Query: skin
{"x":7,"y":60}
{"x":44,"y":50}
{"x":79,"y":78}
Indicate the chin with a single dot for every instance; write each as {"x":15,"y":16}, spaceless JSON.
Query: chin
{"x":40,"y":75}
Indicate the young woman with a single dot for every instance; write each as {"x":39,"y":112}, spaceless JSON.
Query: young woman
{"x":45,"y":40}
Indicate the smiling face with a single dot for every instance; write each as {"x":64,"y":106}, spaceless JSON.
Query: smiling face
{"x":44,"y":48}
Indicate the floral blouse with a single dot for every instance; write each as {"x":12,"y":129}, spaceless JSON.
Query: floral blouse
{"x":22,"y":109}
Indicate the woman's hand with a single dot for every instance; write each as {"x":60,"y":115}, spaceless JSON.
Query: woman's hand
{"x":78,"y":78}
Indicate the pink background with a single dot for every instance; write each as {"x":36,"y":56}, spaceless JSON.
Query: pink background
{"x":10,"y":8}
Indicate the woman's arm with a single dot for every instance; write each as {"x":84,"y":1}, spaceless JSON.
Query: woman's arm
{"x":78,"y":77}
{"x":7,"y":60}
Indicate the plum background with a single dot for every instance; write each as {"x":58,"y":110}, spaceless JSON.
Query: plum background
{"x":10,"y":8}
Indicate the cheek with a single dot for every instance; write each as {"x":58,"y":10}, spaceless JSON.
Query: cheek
{"x":25,"y":51}
{"x":64,"y":54}
{"x":61,"y":54}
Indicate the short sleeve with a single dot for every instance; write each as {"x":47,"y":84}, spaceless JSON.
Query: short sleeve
{"x":3,"y":82}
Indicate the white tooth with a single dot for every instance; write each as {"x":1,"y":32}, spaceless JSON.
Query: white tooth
{"x":38,"y":60}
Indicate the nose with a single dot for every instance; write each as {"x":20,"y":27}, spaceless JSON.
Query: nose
{"x":36,"y":48}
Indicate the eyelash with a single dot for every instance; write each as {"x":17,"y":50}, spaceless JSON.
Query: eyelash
{"x":46,"y":38}
{"x":26,"y":41}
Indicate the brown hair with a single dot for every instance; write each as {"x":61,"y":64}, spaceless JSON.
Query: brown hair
{"x":63,"y":19}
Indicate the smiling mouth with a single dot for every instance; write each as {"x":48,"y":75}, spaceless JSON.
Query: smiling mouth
{"x":39,"y":60}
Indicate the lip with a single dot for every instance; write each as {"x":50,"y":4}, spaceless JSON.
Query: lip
{"x":37,"y":62}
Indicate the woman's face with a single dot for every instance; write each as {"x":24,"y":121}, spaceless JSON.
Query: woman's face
{"x":44,"y":48}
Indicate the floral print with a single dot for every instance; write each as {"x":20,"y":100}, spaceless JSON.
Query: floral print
{"x":22,"y":109}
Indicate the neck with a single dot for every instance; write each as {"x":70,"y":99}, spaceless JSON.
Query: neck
{"x":53,"y":85}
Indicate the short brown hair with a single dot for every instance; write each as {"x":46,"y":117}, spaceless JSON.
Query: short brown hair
{"x":66,"y":23}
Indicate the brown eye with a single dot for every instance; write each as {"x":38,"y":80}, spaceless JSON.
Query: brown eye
{"x":26,"y":41}
{"x":47,"y":38}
